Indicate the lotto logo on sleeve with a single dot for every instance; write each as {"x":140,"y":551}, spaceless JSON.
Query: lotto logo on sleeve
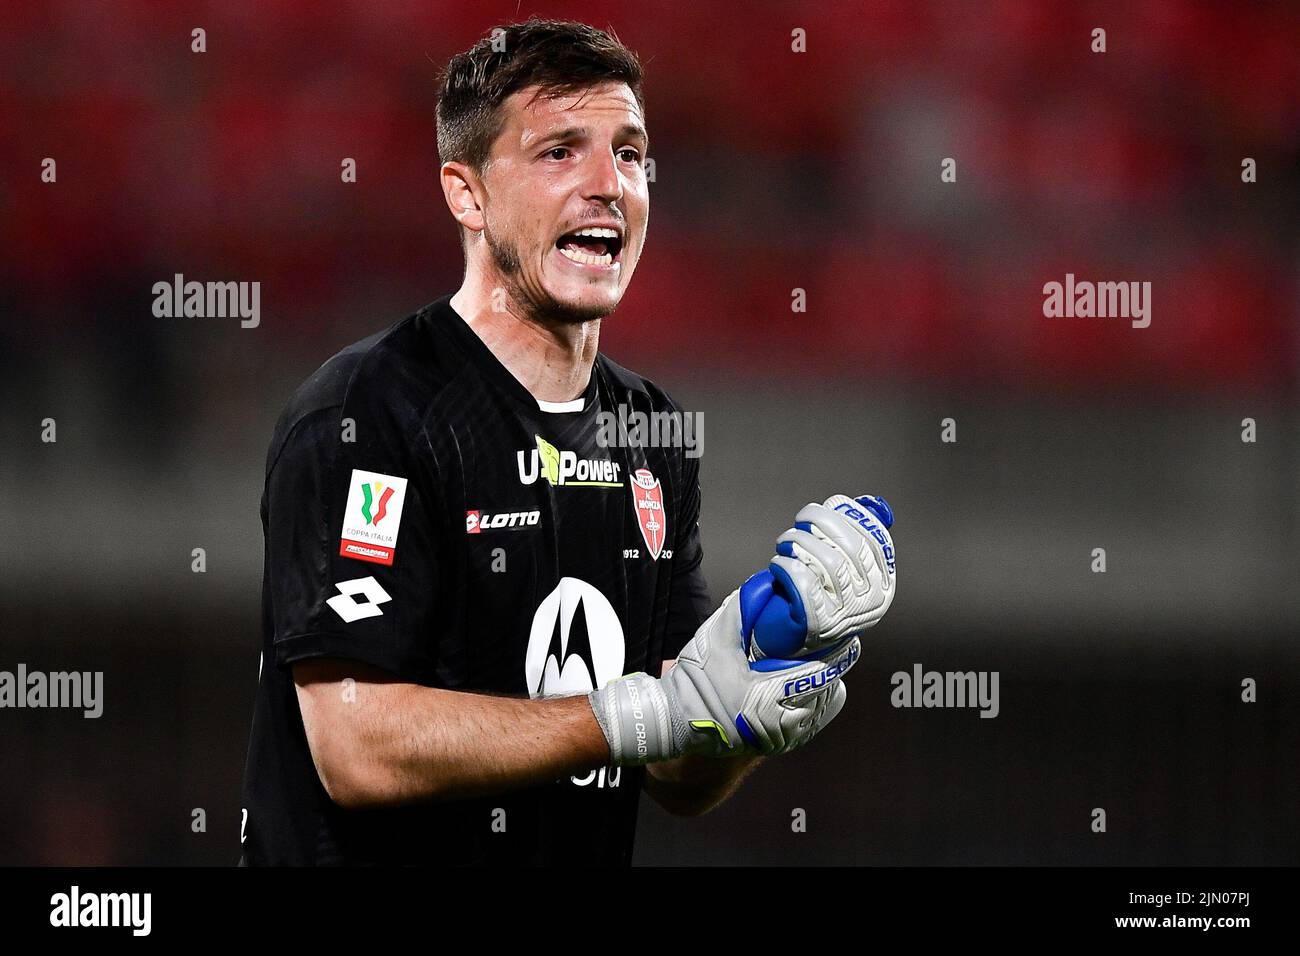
{"x":372,"y":517}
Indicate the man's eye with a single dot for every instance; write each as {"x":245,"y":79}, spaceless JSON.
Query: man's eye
{"x":629,"y":155}
{"x":558,"y":152}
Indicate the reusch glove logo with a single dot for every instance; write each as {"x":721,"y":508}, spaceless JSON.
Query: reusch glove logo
{"x":812,"y":682}
{"x":871,"y":528}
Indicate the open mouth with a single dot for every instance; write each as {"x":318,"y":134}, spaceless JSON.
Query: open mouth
{"x":593,"y":246}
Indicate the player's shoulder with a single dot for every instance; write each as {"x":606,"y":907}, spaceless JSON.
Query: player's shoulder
{"x":681,"y":443}
{"x":625,"y":380}
{"x":382,"y":384}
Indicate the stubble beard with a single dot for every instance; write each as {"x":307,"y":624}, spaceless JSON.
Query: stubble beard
{"x":536,"y":303}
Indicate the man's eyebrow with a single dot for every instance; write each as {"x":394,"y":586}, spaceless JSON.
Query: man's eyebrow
{"x":569,"y":132}
{"x":634,"y":131}
{"x":627,"y":131}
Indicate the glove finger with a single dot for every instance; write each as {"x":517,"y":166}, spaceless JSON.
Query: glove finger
{"x":867,"y":519}
{"x":840,"y":532}
{"x":837,"y":516}
{"x":824,"y":707}
{"x":878,"y":506}
{"x":832,"y":564}
{"x":839,"y":693}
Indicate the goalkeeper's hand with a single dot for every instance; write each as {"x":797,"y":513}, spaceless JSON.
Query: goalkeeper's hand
{"x":713,"y":701}
{"x":836,"y":567}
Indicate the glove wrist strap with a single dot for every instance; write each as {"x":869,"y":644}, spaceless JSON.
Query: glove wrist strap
{"x":637,"y":720}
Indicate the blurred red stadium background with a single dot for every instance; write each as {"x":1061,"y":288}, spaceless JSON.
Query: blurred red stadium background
{"x":774,"y":170}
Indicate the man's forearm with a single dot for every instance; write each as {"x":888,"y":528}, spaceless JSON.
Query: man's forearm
{"x":479,"y":744}
{"x":692,"y":785}
{"x":386,"y":744}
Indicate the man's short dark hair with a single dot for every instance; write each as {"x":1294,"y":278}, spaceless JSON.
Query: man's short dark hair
{"x":559,"y":56}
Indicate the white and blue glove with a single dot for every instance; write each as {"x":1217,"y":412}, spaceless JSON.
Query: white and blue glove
{"x":833,"y":577}
{"x":715,"y":701}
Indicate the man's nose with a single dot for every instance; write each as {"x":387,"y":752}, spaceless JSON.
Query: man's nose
{"x":600,"y":177}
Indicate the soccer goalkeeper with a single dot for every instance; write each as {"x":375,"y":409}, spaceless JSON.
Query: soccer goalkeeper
{"x":484,"y":632}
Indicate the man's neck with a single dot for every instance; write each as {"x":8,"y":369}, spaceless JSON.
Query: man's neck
{"x":552,"y":360}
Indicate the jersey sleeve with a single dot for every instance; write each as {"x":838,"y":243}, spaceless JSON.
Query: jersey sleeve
{"x":689,"y":604}
{"x":351,"y":549}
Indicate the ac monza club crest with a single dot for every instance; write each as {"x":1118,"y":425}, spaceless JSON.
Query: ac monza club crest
{"x":648,"y":500}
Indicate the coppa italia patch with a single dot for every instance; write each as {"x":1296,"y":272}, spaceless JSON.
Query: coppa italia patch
{"x":372,"y":516}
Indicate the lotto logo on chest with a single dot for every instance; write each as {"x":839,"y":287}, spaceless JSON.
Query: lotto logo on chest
{"x":477,"y":522}
{"x":651,"y":515}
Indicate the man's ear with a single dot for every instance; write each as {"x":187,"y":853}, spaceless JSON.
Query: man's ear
{"x":463,"y":191}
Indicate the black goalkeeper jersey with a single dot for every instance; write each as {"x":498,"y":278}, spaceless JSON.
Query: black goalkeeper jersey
{"x":424,"y":514}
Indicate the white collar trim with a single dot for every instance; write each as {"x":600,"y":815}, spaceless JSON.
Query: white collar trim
{"x":576,"y":405}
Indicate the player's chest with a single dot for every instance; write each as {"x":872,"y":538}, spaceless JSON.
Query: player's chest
{"x":566,"y":554}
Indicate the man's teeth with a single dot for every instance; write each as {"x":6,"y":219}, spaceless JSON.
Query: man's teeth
{"x":586,"y":259}
{"x":597,"y":232}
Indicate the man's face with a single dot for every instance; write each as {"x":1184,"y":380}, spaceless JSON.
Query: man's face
{"x":566,"y":203}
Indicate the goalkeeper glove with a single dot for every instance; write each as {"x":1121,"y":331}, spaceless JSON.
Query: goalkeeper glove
{"x":832,"y":578}
{"x":714,"y":701}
